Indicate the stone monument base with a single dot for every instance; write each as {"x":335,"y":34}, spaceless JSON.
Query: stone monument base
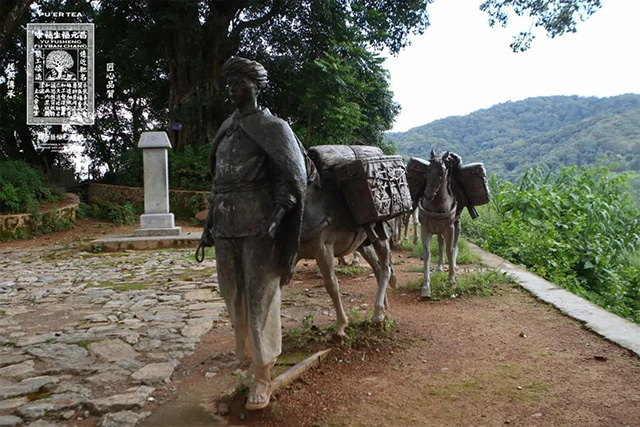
{"x":138,"y":243}
{"x":150,"y":232}
{"x":157,"y":220}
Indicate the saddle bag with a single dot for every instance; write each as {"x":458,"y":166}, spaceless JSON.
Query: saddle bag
{"x":327,"y":157}
{"x":473,"y":178}
{"x":416,"y":177}
{"x":376,"y":188}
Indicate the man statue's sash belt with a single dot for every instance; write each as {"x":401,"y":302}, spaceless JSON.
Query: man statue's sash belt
{"x":237,"y":187}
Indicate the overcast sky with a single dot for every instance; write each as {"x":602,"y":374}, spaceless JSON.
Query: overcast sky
{"x":460,"y":64}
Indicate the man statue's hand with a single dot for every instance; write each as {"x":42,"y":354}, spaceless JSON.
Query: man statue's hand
{"x":206,"y":241}
{"x":271,"y":231}
{"x":274,"y":221}
{"x":207,"y":236}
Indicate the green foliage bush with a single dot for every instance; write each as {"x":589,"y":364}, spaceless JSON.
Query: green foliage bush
{"x":189,"y":169}
{"x":577,"y":227}
{"x":23,"y":187}
{"x":107,"y":211}
{"x":50,"y":222}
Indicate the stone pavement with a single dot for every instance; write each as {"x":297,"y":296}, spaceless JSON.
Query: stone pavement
{"x":90,"y":334}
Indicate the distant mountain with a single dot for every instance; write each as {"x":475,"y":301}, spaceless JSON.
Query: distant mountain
{"x":556,"y":130}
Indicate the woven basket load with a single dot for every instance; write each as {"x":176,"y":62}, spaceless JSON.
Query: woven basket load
{"x":473,"y":177}
{"x":416,"y":177}
{"x":376,"y":188}
{"x":327,"y":157}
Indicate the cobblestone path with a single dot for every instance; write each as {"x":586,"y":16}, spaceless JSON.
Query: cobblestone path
{"x":85,"y":334}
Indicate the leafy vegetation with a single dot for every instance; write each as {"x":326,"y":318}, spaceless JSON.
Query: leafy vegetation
{"x":326,"y":74}
{"x":107,"y":211}
{"x":578,"y":227}
{"x":23,"y":188}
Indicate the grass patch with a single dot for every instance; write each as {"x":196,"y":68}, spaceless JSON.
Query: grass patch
{"x":209,"y":253}
{"x":361,"y":332}
{"x":504,"y":381}
{"x":85,"y":344}
{"x":123,"y":286}
{"x":465,"y":256}
{"x":415,"y":269}
{"x":350,"y":271}
{"x":37,"y":396}
{"x":478,"y":283}
{"x":192,"y":274}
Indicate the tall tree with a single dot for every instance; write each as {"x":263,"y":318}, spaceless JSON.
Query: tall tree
{"x":322,"y":55}
{"x":556,"y":17}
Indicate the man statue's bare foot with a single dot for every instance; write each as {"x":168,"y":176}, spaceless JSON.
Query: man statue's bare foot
{"x":259,"y":395}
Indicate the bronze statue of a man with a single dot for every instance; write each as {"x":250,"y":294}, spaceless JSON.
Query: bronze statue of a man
{"x":255,"y":216}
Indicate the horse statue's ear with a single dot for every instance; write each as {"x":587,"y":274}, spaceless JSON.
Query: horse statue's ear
{"x":433,"y":154}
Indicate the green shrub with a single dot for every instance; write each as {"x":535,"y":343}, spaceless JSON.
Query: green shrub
{"x":50,"y":222}
{"x":23,"y":187}
{"x":131,"y":171}
{"x":119,"y":214}
{"x":577,"y":227}
{"x":189,"y":169}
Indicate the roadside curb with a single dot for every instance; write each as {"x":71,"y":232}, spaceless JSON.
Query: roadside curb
{"x":608,"y":325}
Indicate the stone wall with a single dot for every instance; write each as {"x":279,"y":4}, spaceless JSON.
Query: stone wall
{"x":12,"y":226}
{"x":183,"y":204}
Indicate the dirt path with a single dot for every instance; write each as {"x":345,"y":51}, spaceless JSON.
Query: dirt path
{"x":501,"y":359}
{"x":495,"y":360}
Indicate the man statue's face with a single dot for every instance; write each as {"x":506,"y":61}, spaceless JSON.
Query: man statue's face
{"x":242,"y":90}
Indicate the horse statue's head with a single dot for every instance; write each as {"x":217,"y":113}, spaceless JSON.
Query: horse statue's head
{"x":438,"y":172}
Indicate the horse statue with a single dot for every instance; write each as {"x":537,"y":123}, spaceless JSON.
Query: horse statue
{"x":402,"y":222}
{"x":439,"y":213}
{"x":330,"y":231}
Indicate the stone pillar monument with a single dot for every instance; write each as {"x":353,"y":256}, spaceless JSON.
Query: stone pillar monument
{"x":156,"y":220}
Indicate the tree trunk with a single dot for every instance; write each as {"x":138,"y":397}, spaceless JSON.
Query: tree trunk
{"x":11,"y":14}
{"x":195,"y":53}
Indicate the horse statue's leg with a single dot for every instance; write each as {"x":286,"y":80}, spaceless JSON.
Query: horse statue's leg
{"x":327,"y":268}
{"x":405,"y":223}
{"x":416,"y":222}
{"x":440,"y":266}
{"x":456,"y":237}
{"x":378,"y":255}
{"x":449,"y":237}
{"x":426,"y":245}
{"x":356,"y":259}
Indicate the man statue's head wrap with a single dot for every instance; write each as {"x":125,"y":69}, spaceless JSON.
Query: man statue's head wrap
{"x":237,"y":65}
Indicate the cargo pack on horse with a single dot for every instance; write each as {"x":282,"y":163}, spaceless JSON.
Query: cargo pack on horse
{"x":445,"y":189}
{"x":336,"y":222}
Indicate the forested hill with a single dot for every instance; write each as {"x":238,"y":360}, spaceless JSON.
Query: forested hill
{"x":556,"y":130}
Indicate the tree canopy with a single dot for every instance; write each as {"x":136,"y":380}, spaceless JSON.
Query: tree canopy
{"x":327,"y":78}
